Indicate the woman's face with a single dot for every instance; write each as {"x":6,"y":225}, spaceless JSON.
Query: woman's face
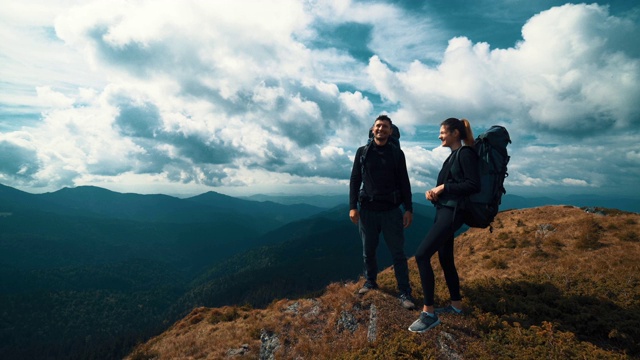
{"x":447,"y":137}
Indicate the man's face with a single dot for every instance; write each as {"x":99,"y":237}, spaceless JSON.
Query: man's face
{"x":381,"y":130}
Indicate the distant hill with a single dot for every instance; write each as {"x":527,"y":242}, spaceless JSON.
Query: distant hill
{"x":88,"y":273}
{"x":631,"y":203}
{"x":325,"y":201}
{"x":94,"y":252}
{"x":553,"y":282}
{"x":509,"y":200}
{"x":91,"y":201}
{"x":281,"y":213}
{"x":299,"y":258}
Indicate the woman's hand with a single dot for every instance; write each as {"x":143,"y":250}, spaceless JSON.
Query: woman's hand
{"x":433,"y":194}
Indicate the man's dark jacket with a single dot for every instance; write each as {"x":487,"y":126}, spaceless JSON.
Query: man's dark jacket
{"x":385,"y":171}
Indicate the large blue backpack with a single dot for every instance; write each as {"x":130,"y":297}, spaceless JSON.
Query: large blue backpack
{"x":491,"y":146}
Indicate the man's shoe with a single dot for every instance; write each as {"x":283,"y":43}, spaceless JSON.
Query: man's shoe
{"x":406,"y":301}
{"x":448,"y":310}
{"x":425,"y":322}
{"x":368,"y":286}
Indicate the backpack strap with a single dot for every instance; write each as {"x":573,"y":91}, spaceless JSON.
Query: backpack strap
{"x":363,"y":158}
{"x":395,"y":150}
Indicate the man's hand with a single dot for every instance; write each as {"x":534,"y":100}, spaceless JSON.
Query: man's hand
{"x":407,"y":219}
{"x":354,"y":215}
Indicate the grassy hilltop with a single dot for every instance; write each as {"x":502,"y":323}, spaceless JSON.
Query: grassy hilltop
{"x":554,"y":282}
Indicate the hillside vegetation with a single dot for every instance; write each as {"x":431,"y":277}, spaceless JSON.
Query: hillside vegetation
{"x":554,"y":282}
{"x":87,"y":273}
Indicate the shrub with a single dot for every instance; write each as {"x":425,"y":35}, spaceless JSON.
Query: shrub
{"x":554,"y":242}
{"x":630,"y":236}
{"x":539,"y":253}
{"x":140,"y":354}
{"x":525,"y":242}
{"x":495,"y":263}
{"x":511,"y":244}
{"x":589,"y":239}
{"x":225,"y":314}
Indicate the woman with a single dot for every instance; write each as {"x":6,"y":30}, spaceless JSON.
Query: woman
{"x":459,"y":177}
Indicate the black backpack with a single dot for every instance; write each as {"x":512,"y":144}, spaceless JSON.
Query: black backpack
{"x":491,"y":146}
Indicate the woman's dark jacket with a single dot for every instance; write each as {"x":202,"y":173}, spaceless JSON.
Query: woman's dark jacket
{"x":460,"y":175}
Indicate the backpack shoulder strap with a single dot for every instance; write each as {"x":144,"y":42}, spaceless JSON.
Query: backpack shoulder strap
{"x":363,"y":158}
{"x":395,"y":150}
{"x":456,"y":157}
{"x":396,"y":155}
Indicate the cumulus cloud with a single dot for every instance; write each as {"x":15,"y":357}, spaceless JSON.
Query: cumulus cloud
{"x":225,"y":94}
{"x":19,"y":160}
{"x":572,"y":77}
{"x":197,"y":92}
{"x":575,"y":71}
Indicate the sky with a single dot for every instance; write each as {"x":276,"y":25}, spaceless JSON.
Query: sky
{"x":274,"y":97}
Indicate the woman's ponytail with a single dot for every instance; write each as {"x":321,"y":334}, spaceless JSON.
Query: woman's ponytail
{"x":468,"y":140}
{"x":463,"y":127}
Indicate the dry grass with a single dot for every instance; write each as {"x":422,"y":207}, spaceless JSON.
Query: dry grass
{"x":550,"y":282}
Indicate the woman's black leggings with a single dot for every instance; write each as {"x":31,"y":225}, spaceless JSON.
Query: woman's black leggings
{"x":440,"y":239}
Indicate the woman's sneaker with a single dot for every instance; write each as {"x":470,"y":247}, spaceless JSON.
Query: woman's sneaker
{"x":448,"y":310}
{"x":425,"y":322}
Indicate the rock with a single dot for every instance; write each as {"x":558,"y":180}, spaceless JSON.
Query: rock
{"x":239,"y":351}
{"x":347,"y":322}
{"x":293,"y":308}
{"x":444,"y":339}
{"x":372,"y":332}
{"x":270,"y":343}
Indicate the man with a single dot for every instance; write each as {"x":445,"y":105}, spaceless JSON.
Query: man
{"x":383,"y":171}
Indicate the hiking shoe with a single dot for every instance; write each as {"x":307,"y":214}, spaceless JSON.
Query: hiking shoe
{"x":425,"y":322}
{"x":368,"y":286}
{"x":406,"y":301}
{"x":448,"y":310}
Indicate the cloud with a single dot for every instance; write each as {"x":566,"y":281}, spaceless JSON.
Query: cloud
{"x":19,"y":159}
{"x":281,"y":94}
{"x":571,"y":73}
{"x":222,"y":46}
{"x":574,"y":182}
{"x":197,"y":93}
{"x":567,"y":92}
{"x":49,"y":98}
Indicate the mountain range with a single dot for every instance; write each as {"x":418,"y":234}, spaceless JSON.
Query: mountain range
{"x":88,"y":273}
